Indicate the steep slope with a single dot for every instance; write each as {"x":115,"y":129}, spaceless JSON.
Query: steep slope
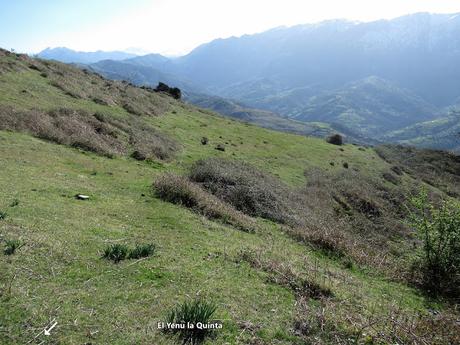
{"x":370,"y":106}
{"x":323,"y":282}
{"x":71,"y":56}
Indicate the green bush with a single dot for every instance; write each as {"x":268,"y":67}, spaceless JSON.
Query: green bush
{"x":11,"y":246}
{"x":116,"y":252}
{"x":141,"y":251}
{"x":192,"y":313}
{"x":3,"y":215}
{"x":439,"y":230}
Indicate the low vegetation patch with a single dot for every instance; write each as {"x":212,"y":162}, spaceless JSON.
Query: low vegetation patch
{"x":96,"y":132}
{"x":198,"y":313}
{"x":141,"y":251}
{"x":179,"y":190}
{"x":284,"y":275}
{"x":116,"y":252}
{"x":3,"y":215}
{"x":437,"y":168}
{"x":11,"y":246}
{"x":336,"y":322}
{"x":14,"y":203}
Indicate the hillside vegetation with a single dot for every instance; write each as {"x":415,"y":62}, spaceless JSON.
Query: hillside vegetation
{"x":291,"y":239}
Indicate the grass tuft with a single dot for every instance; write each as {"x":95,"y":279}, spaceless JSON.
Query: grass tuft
{"x":116,"y":252}
{"x":11,"y":246}
{"x":192,"y":313}
{"x":141,"y":251}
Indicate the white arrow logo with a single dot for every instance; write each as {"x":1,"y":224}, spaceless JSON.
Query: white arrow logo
{"x":47,"y":331}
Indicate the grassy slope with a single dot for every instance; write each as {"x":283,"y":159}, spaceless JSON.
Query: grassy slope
{"x":59,"y":272}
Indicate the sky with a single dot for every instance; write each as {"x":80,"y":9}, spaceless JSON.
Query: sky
{"x":175,"y":27}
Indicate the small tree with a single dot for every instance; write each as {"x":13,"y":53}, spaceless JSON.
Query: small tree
{"x":439,"y":230}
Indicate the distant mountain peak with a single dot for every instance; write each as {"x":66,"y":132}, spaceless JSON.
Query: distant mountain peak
{"x":67,"y":55}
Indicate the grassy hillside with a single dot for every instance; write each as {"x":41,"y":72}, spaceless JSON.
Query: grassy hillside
{"x":370,"y":106}
{"x":139,"y":73}
{"x":327,"y":260}
{"x":442,"y":133}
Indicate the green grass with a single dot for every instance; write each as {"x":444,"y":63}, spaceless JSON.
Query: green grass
{"x":284,"y":155}
{"x":124,"y":302}
{"x":60,"y":274}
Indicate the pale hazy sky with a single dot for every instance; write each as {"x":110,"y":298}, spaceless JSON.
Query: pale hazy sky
{"x":175,"y":27}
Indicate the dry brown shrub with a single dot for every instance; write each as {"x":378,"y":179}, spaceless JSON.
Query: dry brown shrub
{"x":179,"y":190}
{"x":97,"y":133}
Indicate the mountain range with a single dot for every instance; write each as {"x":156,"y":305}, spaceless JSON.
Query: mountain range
{"x":370,"y":78}
{"x":71,"y":56}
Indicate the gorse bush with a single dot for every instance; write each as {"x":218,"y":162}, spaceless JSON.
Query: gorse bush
{"x":141,"y":251}
{"x":439,"y":230}
{"x":192,"y":313}
{"x":103,"y":134}
{"x":11,"y":246}
{"x":246,"y":188}
{"x":116,"y":252}
{"x":179,"y":190}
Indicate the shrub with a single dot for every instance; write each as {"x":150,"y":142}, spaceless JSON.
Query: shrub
{"x":439,"y":230}
{"x":116,"y":252}
{"x":335,"y":139}
{"x":172,"y":91}
{"x":192,"y":313}
{"x":11,"y":246}
{"x":3,"y":215}
{"x":179,"y":190}
{"x":141,"y":251}
{"x":204,"y":140}
{"x":99,"y":133}
{"x":248,"y":189}
{"x":149,"y":144}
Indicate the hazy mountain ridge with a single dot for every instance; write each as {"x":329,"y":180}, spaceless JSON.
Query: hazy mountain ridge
{"x":368,"y":106}
{"x":71,"y":56}
{"x":441,"y":133}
